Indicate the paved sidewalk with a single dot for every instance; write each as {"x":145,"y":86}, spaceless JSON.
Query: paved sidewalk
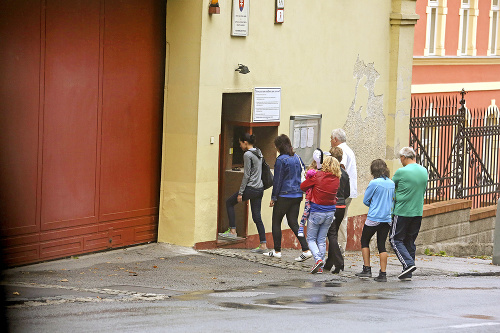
{"x":426,"y":265}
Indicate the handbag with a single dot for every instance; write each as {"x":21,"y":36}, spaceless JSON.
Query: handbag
{"x":303,"y":172}
{"x":266,"y":176}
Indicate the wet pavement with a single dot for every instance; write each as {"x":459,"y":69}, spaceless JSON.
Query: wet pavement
{"x":159,"y":287}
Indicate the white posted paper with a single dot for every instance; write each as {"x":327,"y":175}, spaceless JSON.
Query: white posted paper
{"x":303,"y":137}
{"x":310,"y":136}
{"x":296,"y":138}
{"x":267,"y":104}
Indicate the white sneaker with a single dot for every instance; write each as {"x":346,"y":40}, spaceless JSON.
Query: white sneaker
{"x":272,"y":253}
{"x":304,"y":256}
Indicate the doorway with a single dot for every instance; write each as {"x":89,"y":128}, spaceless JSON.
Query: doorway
{"x":236,"y":119}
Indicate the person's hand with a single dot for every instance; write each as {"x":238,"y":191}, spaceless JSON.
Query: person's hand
{"x":271,"y":204}
{"x":240,"y":198}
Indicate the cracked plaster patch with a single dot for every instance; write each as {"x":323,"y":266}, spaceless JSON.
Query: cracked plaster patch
{"x":365,"y":125}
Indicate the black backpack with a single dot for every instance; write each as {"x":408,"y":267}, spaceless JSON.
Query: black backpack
{"x":267,"y":175}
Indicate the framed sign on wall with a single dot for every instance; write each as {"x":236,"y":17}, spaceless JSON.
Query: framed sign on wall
{"x":240,"y":18}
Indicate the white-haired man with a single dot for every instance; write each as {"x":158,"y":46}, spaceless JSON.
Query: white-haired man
{"x":411,"y":183}
{"x":338,"y":138}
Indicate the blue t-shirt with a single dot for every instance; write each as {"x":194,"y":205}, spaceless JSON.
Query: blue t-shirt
{"x":379,"y":196}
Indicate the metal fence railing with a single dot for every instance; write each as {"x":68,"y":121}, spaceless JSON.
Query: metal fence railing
{"x":459,"y":147}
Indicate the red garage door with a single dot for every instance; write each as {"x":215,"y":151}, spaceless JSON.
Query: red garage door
{"x":81,"y":98}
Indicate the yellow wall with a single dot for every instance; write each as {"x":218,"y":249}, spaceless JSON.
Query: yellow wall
{"x":178,"y":185}
{"x":329,"y":57}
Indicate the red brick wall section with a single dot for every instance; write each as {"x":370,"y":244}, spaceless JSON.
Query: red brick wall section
{"x":354,"y":229}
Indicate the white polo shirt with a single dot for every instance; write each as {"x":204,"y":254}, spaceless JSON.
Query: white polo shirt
{"x":349,"y":161}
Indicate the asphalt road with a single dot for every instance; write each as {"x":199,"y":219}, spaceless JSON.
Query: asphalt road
{"x":158,"y":288}
{"x":428,"y":304}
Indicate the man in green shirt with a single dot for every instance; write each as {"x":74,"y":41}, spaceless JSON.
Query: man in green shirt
{"x":411,"y":183}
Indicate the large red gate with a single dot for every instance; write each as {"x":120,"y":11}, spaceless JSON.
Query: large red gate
{"x":81,"y":98}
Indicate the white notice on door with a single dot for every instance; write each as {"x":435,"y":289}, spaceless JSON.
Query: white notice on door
{"x":267,"y":104}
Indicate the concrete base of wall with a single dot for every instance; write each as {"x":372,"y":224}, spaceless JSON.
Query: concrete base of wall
{"x":452,"y":227}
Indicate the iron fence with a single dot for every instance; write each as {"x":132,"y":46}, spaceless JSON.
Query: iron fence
{"x":459,"y":147}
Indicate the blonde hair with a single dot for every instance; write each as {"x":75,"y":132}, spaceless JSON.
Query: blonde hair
{"x":331,"y":165}
{"x":313,"y":165}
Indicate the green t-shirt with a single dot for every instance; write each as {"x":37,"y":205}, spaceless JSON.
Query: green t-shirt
{"x":411,"y":182}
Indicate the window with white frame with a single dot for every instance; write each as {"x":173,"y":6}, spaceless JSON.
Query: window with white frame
{"x":493,"y":45}
{"x":436,"y":23}
{"x":468,"y":27}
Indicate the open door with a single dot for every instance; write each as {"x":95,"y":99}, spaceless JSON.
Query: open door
{"x":235,"y":120}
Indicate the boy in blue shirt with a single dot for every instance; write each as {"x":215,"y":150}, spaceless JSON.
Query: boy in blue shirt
{"x":379,"y":198}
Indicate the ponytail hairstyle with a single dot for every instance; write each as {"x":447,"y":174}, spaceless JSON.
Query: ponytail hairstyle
{"x":284,"y":145}
{"x":250,"y":138}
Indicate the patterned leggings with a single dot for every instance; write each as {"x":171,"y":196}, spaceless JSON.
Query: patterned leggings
{"x":305,"y":215}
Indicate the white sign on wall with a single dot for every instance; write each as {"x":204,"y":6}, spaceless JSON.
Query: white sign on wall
{"x":240,"y":17}
{"x":280,"y":11}
{"x":266,"y":104}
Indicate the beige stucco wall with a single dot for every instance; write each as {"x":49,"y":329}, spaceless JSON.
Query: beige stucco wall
{"x":329,"y":57}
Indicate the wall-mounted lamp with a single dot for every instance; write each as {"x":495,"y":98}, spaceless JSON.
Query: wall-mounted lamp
{"x":214,"y":7}
{"x":242,"y":69}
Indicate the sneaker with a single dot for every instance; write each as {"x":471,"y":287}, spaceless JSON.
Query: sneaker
{"x":301,"y":232}
{"x":365,"y":273}
{"x":320,"y":271}
{"x":407,"y":277}
{"x":304,"y":256}
{"x":382,"y":277}
{"x":258,"y":250}
{"x":317,"y":266}
{"x":272,"y":253}
{"x":227,"y":234}
{"x":407,"y":273}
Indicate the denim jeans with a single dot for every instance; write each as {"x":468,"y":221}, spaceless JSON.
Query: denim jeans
{"x":255,"y":197}
{"x":317,"y":229}
{"x":404,"y":231}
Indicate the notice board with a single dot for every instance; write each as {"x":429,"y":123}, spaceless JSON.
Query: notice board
{"x":305,"y":134}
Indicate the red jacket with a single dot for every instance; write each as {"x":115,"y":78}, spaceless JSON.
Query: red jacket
{"x":324,"y":188}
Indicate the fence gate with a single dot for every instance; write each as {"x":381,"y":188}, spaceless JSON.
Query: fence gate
{"x":459,"y":148}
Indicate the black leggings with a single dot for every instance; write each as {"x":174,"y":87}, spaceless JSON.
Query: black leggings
{"x":289,"y":207}
{"x":382,"y":231}
{"x":335,"y":257}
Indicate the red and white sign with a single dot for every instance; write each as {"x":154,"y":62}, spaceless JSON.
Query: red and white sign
{"x":280,"y":11}
{"x":280,"y":15}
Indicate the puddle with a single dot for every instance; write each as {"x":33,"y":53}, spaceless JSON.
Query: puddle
{"x":193,"y":296}
{"x":475,"y":316}
{"x":286,"y":302}
{"x":307,"y":299}
{"x":303,"y":284}
{"x":239,"y":294}
{"x":251,"y":306}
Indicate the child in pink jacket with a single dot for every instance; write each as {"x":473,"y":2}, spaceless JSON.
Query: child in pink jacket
{"x":311,"y":171}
